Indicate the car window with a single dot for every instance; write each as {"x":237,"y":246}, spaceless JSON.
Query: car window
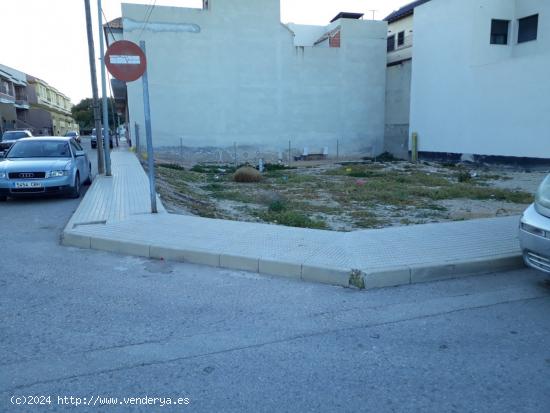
{"x":73,"y":147}
{"x":78,"y":145}
{"x":14,"y":135}
{"x":39,"y":149}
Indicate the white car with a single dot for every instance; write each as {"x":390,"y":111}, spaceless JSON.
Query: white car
{"x":534,"y":230}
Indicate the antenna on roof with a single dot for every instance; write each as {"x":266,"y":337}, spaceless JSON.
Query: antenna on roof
{"x":373,"y":12}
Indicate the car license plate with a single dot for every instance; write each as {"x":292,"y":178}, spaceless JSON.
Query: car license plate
{"x":28,"y":185}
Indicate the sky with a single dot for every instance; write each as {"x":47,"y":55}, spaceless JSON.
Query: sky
{"x":47,"y":38}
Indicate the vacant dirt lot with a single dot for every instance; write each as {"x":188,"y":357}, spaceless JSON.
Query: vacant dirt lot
{"x":350,"y":196}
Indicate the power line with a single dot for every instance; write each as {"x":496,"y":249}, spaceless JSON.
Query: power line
{"x":108,"y":24}
{"x":147,"y":17}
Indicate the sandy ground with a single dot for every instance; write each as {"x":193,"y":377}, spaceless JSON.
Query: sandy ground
{"x":341,"y":219}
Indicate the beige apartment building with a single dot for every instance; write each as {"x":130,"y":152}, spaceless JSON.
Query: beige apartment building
{"x":50,"y":110}
{"x":27,"y":102}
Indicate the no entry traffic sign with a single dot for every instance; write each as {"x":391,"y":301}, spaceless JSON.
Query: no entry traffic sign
{"x":125,"y":61}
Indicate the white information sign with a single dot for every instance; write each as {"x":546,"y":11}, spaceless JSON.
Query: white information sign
{"x":124,"y":60}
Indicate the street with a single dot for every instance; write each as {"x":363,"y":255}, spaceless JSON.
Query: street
{"x":94,"y":325}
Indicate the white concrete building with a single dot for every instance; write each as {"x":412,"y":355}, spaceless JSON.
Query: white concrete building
{"x":398,"y":78}
{"x":232,"y":72}
{"x":481,"y":77}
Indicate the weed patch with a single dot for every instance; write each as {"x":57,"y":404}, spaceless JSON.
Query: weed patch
{"x":291,"y":219}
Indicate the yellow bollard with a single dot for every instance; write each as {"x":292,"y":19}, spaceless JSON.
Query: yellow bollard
{"x":414,"y":147}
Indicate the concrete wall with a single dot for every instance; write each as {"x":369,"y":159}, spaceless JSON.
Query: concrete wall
{"x":475,"y":97}
{"x":398,"y":95}
{"x":232,"y":74}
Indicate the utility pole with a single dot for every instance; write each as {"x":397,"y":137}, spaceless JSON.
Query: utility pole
{"x":106,"y":141}
{"x":97,"y":119}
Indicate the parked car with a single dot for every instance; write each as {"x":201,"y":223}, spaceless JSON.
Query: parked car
{"x":534,"y":231}
{"x":10,"y":136}
{"x":73,"y":134}
{"x":93,"y":140}
{"x":44,"y":165}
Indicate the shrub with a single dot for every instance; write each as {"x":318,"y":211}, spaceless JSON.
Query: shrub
{"x":383,"y":157}
{"x":277,"y":167}
{"x":463,"y":176}
{"x":247,"y":174}
{"x":174,"y":166}
{"x":277,"y":205}
{"x":292,"y":219}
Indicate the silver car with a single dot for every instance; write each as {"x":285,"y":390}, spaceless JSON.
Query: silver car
{"x":44,"y":165}
{"x":11,"y":136}
{"x":534,"y":231}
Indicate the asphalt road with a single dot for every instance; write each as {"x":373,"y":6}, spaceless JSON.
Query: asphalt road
{"x":89,"y":324}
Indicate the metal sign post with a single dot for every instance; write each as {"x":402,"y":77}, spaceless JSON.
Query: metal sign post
{"x":148,"y":137}
{"x":126,"y":61}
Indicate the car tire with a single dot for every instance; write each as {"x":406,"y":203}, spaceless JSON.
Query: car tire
{"x":75,"y":190}
{"x":90,"y":177}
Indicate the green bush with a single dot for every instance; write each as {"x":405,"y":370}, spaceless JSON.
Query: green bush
{"x":277,"y":206}
{"x":292,"y":219}
{"x":174,"y":166}
{"x":277,"y":167}
{"x":463,"y":176}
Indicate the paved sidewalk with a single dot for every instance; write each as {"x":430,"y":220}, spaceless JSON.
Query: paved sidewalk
{"x":114,"y":216}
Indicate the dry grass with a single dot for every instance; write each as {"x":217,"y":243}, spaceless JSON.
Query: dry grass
{"x":247,"y":174}
{"x":352,"y":196}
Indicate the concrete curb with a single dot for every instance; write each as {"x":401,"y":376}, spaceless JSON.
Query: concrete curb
{"x":371,"y":277}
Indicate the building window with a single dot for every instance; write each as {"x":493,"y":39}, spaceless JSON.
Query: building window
{"x":527,"y":28}
{"x":400,"y":38}
{"x":391,"y":43}
{"x":499,"y":31}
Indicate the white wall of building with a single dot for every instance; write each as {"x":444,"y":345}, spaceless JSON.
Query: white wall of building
{"x":469,"y":96}
{"x":241,"y":79}
{"x":404,"y":51}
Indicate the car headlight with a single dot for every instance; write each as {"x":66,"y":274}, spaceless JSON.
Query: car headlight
{"x":534,"y":230}
{"x":55,"y":174}
{"x":542,"y":198}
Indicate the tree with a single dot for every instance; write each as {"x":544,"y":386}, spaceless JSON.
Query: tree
{"x":83,"y":114}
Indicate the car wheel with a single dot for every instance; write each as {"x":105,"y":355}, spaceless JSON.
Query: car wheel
{"x":90,"y":177}
{"x":75,"y":191}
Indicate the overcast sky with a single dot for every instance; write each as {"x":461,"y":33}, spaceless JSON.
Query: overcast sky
{"x":47,"y":38}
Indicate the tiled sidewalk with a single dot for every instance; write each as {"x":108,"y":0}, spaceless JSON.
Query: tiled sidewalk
{"x":114,"y":216}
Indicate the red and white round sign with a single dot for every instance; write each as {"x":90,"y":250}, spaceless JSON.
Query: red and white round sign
{"x":125,"y":60}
